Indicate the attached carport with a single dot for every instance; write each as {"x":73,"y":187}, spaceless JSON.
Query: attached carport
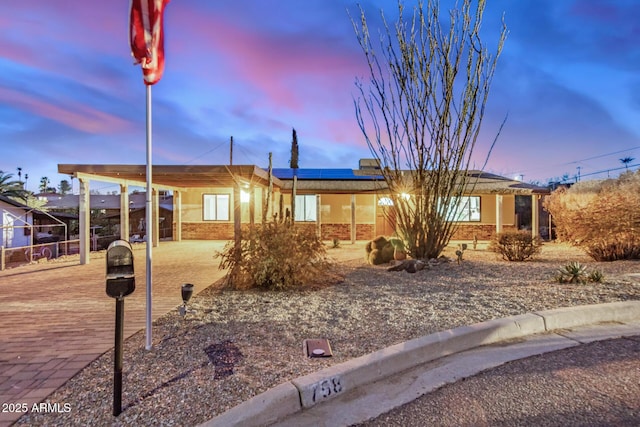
{"x":176,"y":178}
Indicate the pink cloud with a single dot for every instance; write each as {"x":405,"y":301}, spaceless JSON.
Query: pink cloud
{"x":73,"y":115}
{"x":285,"y":68}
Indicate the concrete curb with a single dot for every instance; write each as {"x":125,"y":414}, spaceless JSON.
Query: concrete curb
{"x":305,"y":392}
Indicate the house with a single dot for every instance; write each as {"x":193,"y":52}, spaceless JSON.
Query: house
{"x":217,"y":201}
{"x":17,"y":222}
{"x":24,"y":226}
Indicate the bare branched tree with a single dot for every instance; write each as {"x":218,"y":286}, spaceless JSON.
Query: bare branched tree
{"x":421,"y":112}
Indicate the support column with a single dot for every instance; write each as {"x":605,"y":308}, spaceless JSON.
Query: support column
{"x":155,"y":211}
{"x":252,"y":206}
{"x":498,"y":213}
{"x":318,"y":217}
{"x":237,"y":212}
{"x":84,"y":216}
{"x":353,"y":219}
{"x":124,"y":212}
{"x":294,"y":193}
{"x":535,"y":220}
{"x":177,"y":216}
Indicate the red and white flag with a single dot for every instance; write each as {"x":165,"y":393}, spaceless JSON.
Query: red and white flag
{"x":147,"y":37}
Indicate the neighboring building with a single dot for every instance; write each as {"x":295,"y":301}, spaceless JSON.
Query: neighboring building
{"x":212,"y":202}
{"x":25,"y":226}
{"x":17,"y":222}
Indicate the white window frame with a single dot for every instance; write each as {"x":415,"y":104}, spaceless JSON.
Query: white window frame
{"x":216,"y":207}
{"x":464,"y":209}
{"x":306,"y":208}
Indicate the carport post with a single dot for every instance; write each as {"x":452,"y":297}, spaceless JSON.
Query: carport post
{"x":84,"y":217}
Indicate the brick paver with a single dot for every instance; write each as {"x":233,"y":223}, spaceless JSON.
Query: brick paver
{"x":55,"y":318}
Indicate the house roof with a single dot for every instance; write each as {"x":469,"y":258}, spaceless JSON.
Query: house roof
{"x":12,"y":202}
{"x":363,"y":180}
{"x":36,"y":212}
{"x":178,"y":177}
{"x":308,"y":180}
{"x":325,"y":174}
{"x":330,"y":180}
{"x":491,"y":183}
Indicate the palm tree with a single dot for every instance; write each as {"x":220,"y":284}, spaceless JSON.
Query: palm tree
{"x":626,"y":160}
{"x":44,"y":184}
{"x":10,"y":187}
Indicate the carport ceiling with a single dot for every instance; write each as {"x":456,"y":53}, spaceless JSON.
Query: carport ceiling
{"x":172,"y":176}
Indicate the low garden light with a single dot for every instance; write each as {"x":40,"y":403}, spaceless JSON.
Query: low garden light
{"x":187,"y":292}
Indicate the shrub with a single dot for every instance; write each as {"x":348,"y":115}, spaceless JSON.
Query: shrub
{"x":515,"y":245}
{"x":274,"y":256}
{"x":574,"y":272}
{"x":596,"y":276}
{"x":601,"y":217}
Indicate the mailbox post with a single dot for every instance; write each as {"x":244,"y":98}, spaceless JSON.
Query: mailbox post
{"x":120,"y":283}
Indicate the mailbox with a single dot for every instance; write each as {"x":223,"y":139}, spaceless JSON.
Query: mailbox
{"x":120,"y":277}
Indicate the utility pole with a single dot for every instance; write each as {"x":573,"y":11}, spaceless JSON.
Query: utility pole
{"x":578,"y":175}
{"x":231,"y":151}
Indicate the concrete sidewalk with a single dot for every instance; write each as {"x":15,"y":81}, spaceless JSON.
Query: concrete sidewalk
{"x":366,"y":387}
{"x":55,"y":318}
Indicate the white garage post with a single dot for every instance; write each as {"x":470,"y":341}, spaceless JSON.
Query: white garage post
{"x":84,"y":221}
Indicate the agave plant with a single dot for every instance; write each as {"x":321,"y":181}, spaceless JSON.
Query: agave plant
{"x":574,"y":272}
{"x":596,"y":276}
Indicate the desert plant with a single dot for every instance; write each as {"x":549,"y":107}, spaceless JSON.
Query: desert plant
{"x":399,"y":249}
{"x":515,"y":245}
{"x":596,"y":276}
{"x":601,"y":217}
{"x":420,"y":112}
{"x":379,"y":251}
{"x":460,"y":252}
{"x":274,"y":256}
{"x":573,"y":272}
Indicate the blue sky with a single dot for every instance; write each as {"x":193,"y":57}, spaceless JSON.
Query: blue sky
{"x":568,"y":78}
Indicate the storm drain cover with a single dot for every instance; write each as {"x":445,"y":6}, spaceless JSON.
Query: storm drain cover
{"x":224,"y":356}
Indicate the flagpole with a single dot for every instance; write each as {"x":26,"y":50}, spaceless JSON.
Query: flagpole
{"x":149,"y":226}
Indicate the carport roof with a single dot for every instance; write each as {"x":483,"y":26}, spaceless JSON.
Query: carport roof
{"x":171,"y":176}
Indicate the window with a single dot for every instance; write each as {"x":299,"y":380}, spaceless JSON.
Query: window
{"x":216,"y":207}
{"x":464,"y":209}
{"x":385,"y":201}
{"x":306,"y":207}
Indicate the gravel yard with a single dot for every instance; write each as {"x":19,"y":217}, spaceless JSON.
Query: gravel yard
{"x":233,"y":345}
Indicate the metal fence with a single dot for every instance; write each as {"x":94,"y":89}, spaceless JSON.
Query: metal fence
{"x":15,"y":256}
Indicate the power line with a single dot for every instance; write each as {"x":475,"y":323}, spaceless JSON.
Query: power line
{"x":610,"y":170}
{"x":205,"y":153}
{"x":579,"y":161}
{"x":600,"y":156}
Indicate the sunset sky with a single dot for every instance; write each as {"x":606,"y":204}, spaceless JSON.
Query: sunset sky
{"x":568,"y":79}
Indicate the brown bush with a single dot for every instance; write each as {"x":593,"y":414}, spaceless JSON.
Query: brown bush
{"x":515,"y":245}
{"x":274,"y":256}
{"x":601,"y":217}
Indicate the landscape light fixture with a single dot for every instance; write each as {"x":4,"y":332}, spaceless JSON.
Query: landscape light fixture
{"x":187,"y":292}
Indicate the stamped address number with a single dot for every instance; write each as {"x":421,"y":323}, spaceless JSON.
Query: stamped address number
{"x":326,"y":388}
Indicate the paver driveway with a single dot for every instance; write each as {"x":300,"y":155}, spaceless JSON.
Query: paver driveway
{"x":56,"y":318}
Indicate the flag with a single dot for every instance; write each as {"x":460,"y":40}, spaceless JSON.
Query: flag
{"x":147,"y":38}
